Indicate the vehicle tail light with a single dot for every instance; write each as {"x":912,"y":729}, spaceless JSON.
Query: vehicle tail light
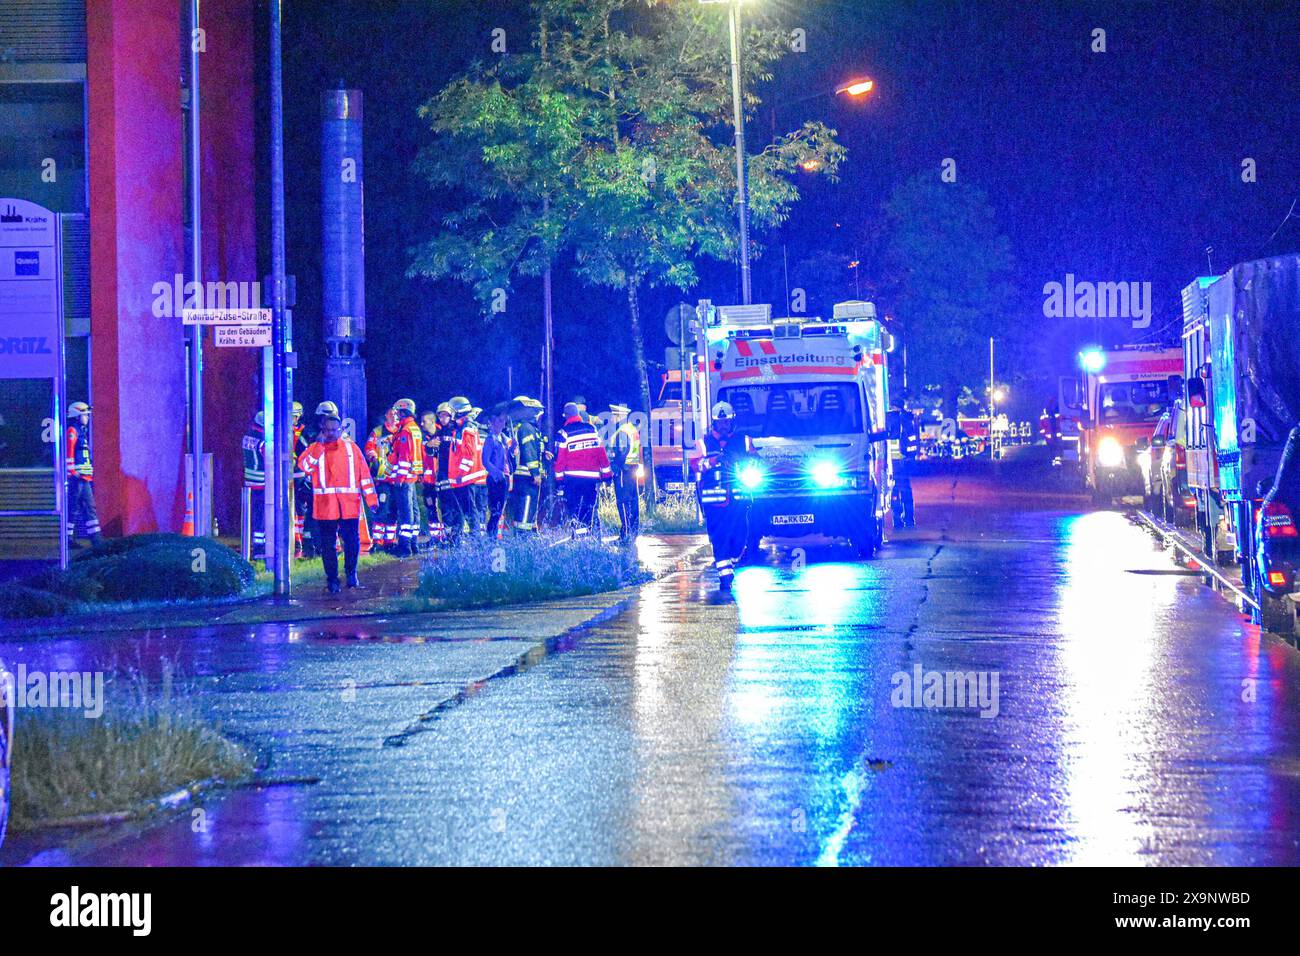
{"x":1277,"y":578}
{"x":1180,"y":456}
{"x":1277,"y":521}
{"x":1189,"y":501}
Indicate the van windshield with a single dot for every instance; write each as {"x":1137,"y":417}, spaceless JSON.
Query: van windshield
{"x":1133,"y":401}
{"x":795,"y":411}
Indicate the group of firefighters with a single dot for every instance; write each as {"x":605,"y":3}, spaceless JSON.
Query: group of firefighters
{"x":475,"y":474}
{"x":475,"y":477}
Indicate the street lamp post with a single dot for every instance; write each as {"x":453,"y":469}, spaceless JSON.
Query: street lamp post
{"x":742,"y":163}
{"x":279,"y":440}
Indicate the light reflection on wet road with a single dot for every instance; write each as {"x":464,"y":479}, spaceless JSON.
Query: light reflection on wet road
{"x":694,"y":729}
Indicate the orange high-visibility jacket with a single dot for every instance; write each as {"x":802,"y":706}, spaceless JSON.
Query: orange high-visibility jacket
{"x":339,"y":479}
{"x":466,"y":461}
{"x":406,"y":454}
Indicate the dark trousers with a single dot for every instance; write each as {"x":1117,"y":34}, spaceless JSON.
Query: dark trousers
{"x":524,"y":502}
{"x":728,"y":526}
{"x":431,"y":517}
{"x":901,"y":501}
{"x":498,"y":491}
{"x":479,"y":503}
{"x":453,"y":504}
{"x":257,"y":522}
{"x":306,"y":524}
{"x":330,"y":532}
{"x":81,"y":509}
{"x":408,"y":528}
{"x":580,"y":499}
{"x":629,"y":503}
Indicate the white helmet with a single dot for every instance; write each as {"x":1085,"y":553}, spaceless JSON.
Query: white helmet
{"x":722,"y":410}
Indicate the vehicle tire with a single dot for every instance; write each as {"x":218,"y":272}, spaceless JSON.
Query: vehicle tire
{"x":866,"y":538}
{"x":1275,"y":613}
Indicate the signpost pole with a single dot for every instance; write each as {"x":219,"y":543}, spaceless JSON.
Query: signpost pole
{"x":202,"y":493}
{"x":279,"y":439}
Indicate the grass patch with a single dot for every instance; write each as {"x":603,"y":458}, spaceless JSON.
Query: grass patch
{"x":135,"y":571}
{"x":312,"y":571}
{"x":66,"y":765}
{"x":518,"y":570}
{"x":675,"y":513}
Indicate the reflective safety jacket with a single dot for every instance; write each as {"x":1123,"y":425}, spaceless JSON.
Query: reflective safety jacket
{"x":716,"y":463}
{"x":255,"y":456}
{"x":625,"y":446}
{"x":579,"y":452}
{"x":78,"y":452}
{"x":339,"y":480}
{"x":377,"y":447}
{"x":465,"y":462}
{"x":406,"y":453}
{"x":300,"y":444}
{"x":528,"y":451}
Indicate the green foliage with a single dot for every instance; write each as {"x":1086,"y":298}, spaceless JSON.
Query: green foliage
{"x":948,"y":272}
{"x":142,"y":748}
{"x":518,"y":570}
{"x":147,"y":567}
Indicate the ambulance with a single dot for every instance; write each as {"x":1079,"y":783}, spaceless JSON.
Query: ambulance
{"x":812,"y":394}
{"x":1125,"y":391}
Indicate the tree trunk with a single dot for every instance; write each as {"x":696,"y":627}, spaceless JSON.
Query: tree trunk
{"x":643,"y":377}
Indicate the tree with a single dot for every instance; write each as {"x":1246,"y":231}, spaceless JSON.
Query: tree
{"x":602,"y":144}
{"x":947,"y":277}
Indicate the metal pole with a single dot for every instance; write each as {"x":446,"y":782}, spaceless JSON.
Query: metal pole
{"x":686,"y":390}
{"x":548,"y":358}
{"x":279,"y":441}
{"x":991,"y":399}
{"x":202,"y":502}
{"x":742,"y":171}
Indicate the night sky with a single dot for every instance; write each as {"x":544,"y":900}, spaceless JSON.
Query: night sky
{"x":1115,"y":166}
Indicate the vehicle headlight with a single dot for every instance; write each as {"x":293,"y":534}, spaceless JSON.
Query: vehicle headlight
{"x":826,"y":474}
{"x":752,"y":475}
{"x":1109,"y":452}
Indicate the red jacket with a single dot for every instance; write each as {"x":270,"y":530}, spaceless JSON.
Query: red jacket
{"x":406,"y":454}
{"x":339,"y":479}
{"x":465,"y":464}
{"x":580,"y":453}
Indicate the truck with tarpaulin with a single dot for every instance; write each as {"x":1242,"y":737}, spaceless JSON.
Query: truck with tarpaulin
{"x":812,"y":394}
{"x":1242,"y":392}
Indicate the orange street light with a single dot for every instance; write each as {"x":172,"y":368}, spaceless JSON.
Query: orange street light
{"x":856,"y":87}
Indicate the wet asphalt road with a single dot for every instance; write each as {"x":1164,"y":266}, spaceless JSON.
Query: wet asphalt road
{"x":1138,"y":720}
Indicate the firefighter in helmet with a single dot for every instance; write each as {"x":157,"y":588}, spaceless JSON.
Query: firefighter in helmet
{"x":581,"y":464}
{"x":625,"y":463}
{"x":81,"y":475}
{"x":378,"y":445}
{"x":405,"y":471}
{"x":527,"y":489}
{"x":254,"y":445}
{"x":721,"y":461}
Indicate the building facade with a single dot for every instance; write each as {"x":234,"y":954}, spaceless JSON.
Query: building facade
{"x":93,"y":125}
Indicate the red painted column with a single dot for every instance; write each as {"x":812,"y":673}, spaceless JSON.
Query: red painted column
{"x":136,"y":229}
{"x":231,"y":380}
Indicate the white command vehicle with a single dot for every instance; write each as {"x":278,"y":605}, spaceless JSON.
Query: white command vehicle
{"x":812,"y":394}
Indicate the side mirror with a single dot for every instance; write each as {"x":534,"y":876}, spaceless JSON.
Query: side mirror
{"x":1157,"y":442}
{"x":1196,"y":392}
{"x":1142,"y":444}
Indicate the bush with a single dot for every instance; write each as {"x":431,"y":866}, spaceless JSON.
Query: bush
{"x":21,"y":601}
{"x":146,"y":567}
{"x":518,"y":570}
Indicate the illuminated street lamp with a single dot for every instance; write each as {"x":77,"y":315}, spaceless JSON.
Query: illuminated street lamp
{"x":856,"y":87}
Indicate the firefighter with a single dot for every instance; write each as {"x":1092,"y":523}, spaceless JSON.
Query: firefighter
{"x":720,"y":455}
{"x":302,"y":530}
{"x":255,"y":482}
{"x":478,"y":486}
{"x":377,"y":448}
{"x":527,"y":490}
{"x":625,"y":462}
{"x":340,"y":482}
{"x":499,"y":463}
{"x":405,"y":469}
{"x":456,"y":452}
{"x":81,"y":475}
{"x":904,"y":447}
{"x":429,"y":424}
{"x":466,"y":463}
{"x":581,"y":464}
{"x":447,"y":437}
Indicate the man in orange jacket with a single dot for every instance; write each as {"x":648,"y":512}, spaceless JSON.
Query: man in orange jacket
{"x":340,"y":481}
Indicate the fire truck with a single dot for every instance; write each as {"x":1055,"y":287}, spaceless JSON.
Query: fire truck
{"x":1125,"y":391}
{"x":812,"y":394}
{"x":1242,"y":395}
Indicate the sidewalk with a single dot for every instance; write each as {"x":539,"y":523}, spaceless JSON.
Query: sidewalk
{"x":389,"y":590}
